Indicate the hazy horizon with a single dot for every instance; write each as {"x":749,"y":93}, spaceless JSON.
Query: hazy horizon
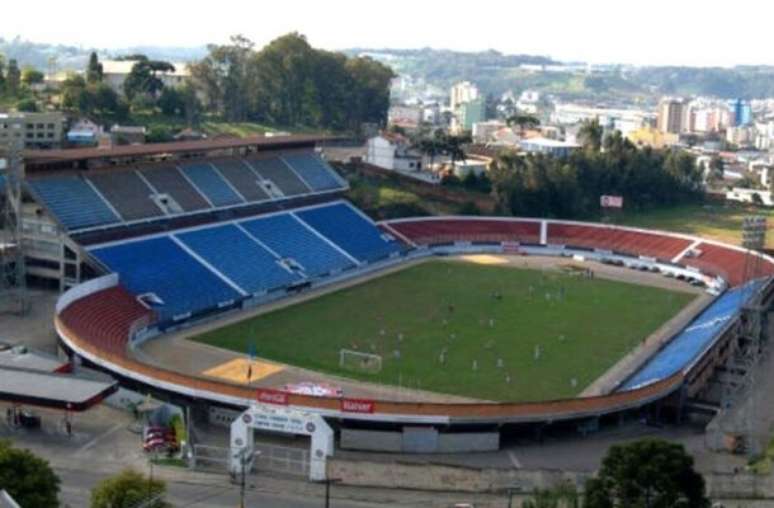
{"x":688,"y":33}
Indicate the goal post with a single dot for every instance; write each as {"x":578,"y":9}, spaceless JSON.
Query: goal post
{"x":358,"y":361}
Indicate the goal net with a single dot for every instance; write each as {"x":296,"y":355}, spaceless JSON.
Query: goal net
{"x":360,"y":362}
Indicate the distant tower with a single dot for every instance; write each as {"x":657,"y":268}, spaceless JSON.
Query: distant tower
{"x":53,"y":68}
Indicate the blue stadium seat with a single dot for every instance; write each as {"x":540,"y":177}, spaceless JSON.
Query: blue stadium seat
{"x":691,"y":343}
{"x":285,"y":235}
{"x":74,"y":202}
{"x":316,"y":172}
{"x":349,"y":230}
{"x":211,"y":184}
{"x":160,"y":266}
{"x":280,"y":175}
{"x":238,"y":257}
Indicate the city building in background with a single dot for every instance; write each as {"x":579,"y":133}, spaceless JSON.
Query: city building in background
{"x":741,"y":112}
{"x":471,"y":112}
{"x":549,"y":146}
{"x":671,"y":116}
{"x":37,"y":130}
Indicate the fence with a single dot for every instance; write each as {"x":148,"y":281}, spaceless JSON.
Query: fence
{"x":268,"y":458}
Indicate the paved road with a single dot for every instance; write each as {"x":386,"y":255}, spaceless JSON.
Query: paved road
{"x":76,"y":485}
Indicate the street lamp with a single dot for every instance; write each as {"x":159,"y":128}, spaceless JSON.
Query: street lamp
{"x":245,"y":458}
{"x":328,"y":482}
{"x":516,"y":488}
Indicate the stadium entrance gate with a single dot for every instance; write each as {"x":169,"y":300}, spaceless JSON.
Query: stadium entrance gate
{"x":286,"y":421}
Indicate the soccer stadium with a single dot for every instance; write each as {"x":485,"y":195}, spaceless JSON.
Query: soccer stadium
{"x":232,"y":273}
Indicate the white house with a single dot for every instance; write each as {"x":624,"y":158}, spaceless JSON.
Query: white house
{"x":393,"y":152}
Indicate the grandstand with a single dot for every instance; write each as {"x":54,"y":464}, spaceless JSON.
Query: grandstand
{"x":691,"y":343}
{"x":203,"y":269}
{"x":89,"y":196}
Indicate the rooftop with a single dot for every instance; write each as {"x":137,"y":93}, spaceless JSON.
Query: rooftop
{"x":549,"y":143}
{"x":33,"y":157}
{"x":53,"y":390}
{"x":125,"y":67}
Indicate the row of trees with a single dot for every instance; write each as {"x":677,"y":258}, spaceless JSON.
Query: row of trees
{"x":143,"y":90}
{"x":16,"y":83}
{"x":648,"y":473}
{"x":644,"y":474}
{"x":540,"y":185}
{"x":288,"y":82}
{"x":31,"y":482}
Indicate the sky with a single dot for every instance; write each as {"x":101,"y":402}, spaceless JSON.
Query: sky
{"x":650,"y":32}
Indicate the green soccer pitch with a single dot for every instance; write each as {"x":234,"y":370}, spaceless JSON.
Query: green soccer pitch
{"x":481,"y":331}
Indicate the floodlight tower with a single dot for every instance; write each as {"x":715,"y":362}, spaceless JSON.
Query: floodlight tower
{"x":739,"y":390}
{"x":752,"y":337}
{"x":13,"y":287}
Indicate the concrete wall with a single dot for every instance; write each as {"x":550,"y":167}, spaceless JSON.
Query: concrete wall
{"x":731,"y":490}
{"x":371,"y":441}
{"x":740,"y":486}
{"x":419,"y":440}
{"x":469,"y":442}
{"x":428,"y":476}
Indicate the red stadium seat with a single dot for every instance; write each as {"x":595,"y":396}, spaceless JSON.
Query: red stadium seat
{"x":621,"y":240}
{"x":105,"y":318}
{"x":451,"y":230}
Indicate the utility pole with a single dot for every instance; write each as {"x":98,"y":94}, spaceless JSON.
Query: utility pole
{"x":245,"y":459}
{"x":328,"y":482}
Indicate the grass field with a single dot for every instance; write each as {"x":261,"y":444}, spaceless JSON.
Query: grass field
{"x":440,"y":305}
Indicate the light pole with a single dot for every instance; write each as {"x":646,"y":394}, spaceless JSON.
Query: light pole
{"x":245,"y":458}
{"x":511,"y":490}
{"x":328,"y":482}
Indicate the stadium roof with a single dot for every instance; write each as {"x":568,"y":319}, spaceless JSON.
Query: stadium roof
{"x":26,"y":386}
{"x":33,"y":157}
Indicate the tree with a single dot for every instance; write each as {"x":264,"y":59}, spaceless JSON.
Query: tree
{"x":27,"y":478}
{"x":171,"y":102}
{"x":590,"y":135}
{"x":288,"y":82}
{"x":453,"y":146}
{"x":143,"y":78}
{"x":159,"y":134}
{"x":2,"y":75}
{"x":649,"y":473}
{"x":94,"y":70}
{"x":27,"y":105}
{"x":32,"y":76}
{"x":523,"y":122}
{"x":128,"y":489}
{"x":224,"y":75}
{"x":564,"y":495}
{"x":13,"y":78}
{"x":469,"y":208}
{"x":192,"y":106}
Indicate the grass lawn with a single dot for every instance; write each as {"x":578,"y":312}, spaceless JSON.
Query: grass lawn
{"x":580,"y":336}
{"x":718,"y":222}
